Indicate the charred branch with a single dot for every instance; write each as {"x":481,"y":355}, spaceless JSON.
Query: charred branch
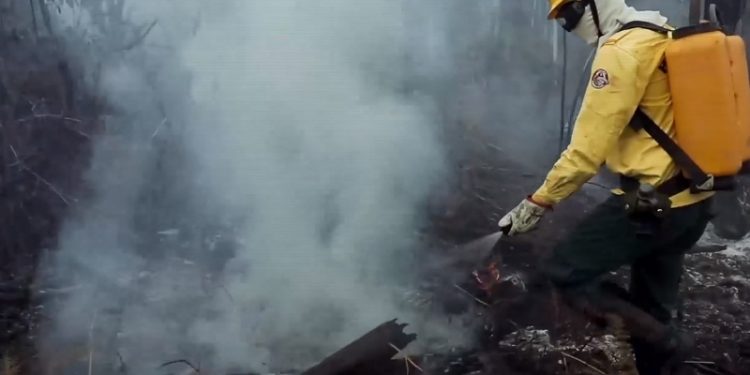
{"x":140,"y":38}
{"x":373,"y":350}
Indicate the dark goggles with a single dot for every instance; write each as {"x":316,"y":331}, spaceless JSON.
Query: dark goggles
{"x":570,"y":14}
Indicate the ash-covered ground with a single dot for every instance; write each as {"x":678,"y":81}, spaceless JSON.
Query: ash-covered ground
{"x":528,"y":331}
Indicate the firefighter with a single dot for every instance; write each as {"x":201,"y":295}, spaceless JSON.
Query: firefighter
{"x":625,"y":75}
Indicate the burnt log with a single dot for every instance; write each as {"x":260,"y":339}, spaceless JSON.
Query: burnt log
{"x":373,"y":351}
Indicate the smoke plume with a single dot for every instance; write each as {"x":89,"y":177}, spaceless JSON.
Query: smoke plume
{"x":259,"y":184}
{"x":301,"y":127}
{"x":258,"y":187}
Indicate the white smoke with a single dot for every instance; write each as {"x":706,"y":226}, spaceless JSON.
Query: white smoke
{"x":298,"y":128}
{"x":301,"y":127}
{"x":295,"y":128}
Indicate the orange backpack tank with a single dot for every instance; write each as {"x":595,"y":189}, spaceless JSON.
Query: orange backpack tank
{"x":708,"y":78}
{"x":703,"y":96}
{"x":741,"y":81}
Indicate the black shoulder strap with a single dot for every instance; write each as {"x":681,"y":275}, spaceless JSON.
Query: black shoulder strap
{"x":698,"y":178}
{"x":678,"y":33}
{"x":645,"y":25}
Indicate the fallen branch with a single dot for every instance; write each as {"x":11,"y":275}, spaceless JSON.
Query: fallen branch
{"x":585,"y":344}
{"x":471,"y":295}
{"x":77,"y":131}
{"x":373,"y":350}
{"x":158,"y":127}
{"x":700,"y":362}
{"x":47,"y":183}
{"x":706,"y":249}
{"x":183,"y":361}
{"x":583,"y":363}
{"x":707,"y":369}
{"x":38,"y":177}
{"x":139,"y":38}
{"x":47,"y":116}
{"x":64,"y":290}
{"x":406,"y":359}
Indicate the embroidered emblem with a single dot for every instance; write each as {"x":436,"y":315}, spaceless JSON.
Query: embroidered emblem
{"x":600,"y":79}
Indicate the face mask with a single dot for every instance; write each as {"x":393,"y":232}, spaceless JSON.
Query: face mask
{"x":578,"y":16}
{"x":586,"y":28}
{"x":571,"y":13}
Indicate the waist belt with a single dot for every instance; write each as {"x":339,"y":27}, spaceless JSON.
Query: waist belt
{"x":669,"y":187}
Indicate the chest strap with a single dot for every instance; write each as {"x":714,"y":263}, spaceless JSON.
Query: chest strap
{"x":698,"y":179}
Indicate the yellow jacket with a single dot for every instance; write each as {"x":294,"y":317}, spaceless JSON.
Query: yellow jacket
{"x":625,"y":75}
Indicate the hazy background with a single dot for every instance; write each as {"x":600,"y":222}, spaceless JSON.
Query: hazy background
{"x":259,"y":188}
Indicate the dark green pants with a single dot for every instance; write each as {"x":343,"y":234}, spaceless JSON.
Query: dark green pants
{"x":606,"y":240}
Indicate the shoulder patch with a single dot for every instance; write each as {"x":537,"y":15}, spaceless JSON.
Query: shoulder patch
{"x":599,"y":79}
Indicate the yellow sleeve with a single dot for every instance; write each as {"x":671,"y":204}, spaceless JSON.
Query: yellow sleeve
{"x":618,"y":82}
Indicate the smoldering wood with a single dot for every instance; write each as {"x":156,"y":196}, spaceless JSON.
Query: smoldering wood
{"x":371,"y":351}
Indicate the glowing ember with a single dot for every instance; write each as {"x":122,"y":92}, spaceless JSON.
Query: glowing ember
{"x":487,"y":278}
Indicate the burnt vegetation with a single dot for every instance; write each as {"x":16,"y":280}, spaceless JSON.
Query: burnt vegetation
{"x":47,"y":124}
{"x":51,"y":115}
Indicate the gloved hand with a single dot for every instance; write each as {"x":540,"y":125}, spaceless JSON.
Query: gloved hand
{"x":523,"y":218}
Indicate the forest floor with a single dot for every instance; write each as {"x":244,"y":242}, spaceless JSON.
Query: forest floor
{"x":528,"y":331}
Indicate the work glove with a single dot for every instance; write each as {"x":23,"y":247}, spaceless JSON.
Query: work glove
{"x":523,"y":218}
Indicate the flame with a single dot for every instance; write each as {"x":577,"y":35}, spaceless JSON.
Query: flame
{"x":487,"y":278}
